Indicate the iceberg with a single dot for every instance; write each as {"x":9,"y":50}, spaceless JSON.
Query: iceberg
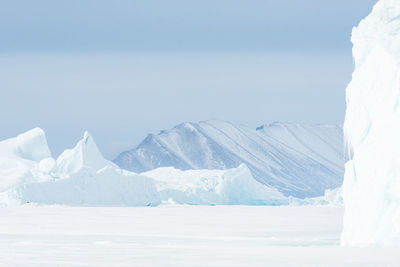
{"x":332,"y":197}
{"x":21,"y":155}
{"x":81,"y":176}
{"x":84,"y":155}
{"x":214,"y":187}
{"x":371,"y":189}
{"x":106,"y":187}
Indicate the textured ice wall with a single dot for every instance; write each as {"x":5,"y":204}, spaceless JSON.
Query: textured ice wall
{"x":371,"y":189}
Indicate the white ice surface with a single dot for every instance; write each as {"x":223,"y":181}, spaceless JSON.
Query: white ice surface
{"x":180,"y":236}
{"x":371,"y":189}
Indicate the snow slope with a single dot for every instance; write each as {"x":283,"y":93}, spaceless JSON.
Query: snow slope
{"x":82,"y":177}
{"x":371,"y":189}
{"x":299,"y":160}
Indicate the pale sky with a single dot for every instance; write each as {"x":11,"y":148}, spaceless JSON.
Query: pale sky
{"x":123,"y":69}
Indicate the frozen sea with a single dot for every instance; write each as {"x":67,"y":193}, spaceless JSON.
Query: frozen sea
{"x":180,"y":236}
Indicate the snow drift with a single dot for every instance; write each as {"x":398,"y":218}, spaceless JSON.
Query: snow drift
{"x":81,"y":176}
{"x":371,"y":189}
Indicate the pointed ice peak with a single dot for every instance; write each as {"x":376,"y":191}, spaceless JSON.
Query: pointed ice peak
{"x":87,"y":145}
{"x":31,"y":145}
{"x":86,"y":136}
{"x":84,"y":154}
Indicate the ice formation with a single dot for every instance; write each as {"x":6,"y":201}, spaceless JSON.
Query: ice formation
{"x":371,"y":189}
{"x":82,"y":177}
{"x":22,"y":154}
{"x":332,"y":197}
{"x":214,"y":187}
{"x":84,"y":155}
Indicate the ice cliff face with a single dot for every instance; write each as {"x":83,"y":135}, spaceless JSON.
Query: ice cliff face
{"x":31,"y":146}
{"x":299,"y":160}
{"x":22,"y":154}
{"x":371,"y":189}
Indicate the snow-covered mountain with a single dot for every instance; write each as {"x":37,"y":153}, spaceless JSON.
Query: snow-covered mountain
{"x":299,"y":160}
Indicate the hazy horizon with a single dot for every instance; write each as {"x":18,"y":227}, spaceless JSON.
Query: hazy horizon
{"x":124,"y":69}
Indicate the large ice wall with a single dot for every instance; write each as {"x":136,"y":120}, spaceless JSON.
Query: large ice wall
{"x":371,"y":189}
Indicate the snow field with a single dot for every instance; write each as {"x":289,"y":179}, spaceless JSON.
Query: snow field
{"x":180,"y":236}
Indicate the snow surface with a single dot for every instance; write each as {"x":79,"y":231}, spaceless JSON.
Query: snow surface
{"x":180,"y":236}
{"x":299,"y":160}
{"x":371,"y":189}
{"x":82,"y":177}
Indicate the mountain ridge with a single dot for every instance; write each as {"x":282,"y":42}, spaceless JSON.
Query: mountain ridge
{"x":301,"y":160}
